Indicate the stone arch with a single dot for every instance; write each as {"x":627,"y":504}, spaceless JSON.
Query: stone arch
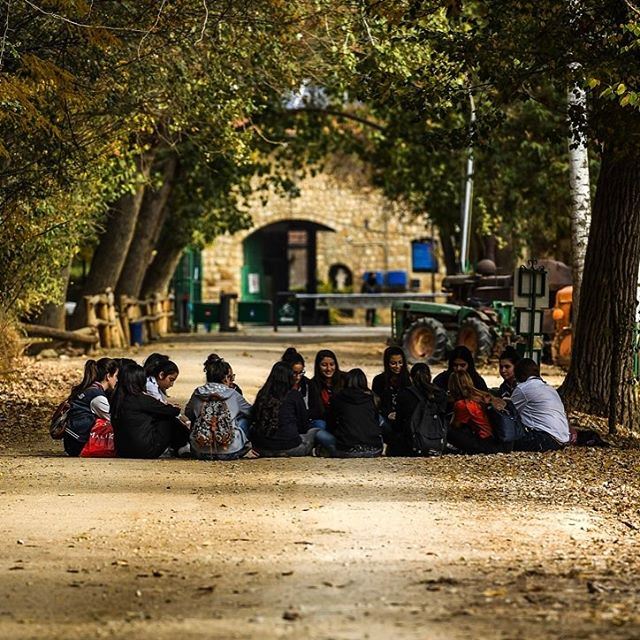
{"x":340,"y":276}
{"x":280,"y":256}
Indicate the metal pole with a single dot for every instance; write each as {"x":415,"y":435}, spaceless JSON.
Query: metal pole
{"x":275,"y":312}
{"x":468,"y":194}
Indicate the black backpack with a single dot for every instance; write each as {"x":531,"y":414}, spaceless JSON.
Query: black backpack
{"x":427,"y":428}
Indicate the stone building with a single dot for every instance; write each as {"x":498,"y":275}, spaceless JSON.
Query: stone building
{"x":338,"y":229}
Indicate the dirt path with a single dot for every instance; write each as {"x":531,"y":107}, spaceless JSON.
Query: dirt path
{"x":535,"y":546}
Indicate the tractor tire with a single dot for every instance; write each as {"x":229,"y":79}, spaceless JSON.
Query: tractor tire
{"x":425,"y":341}
{"x":561,"y":348}
{"x":477,"y":337}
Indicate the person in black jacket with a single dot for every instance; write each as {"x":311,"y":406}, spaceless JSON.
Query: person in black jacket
{"x":356,"y":431}
{"x":387,"y":385}
{"x":400,"y":442}
{"x":295,"y":360}
{"x":143,"y":427}
{"x":460,"y":359}
{"x":280,"y":417}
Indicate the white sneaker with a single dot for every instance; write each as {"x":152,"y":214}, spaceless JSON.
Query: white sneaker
{"x":184,"y":451}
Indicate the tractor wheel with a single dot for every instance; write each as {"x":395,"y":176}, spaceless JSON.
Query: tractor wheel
{"x":561,"y":348}
{"x":425,"y":341}
{"x":476,"y":336}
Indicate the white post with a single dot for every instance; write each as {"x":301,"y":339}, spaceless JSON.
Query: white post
{"x":579,"y":180}
{"x":468,"y":195}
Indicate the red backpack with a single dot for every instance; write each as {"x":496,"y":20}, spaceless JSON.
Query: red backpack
{"x":100,"y":443}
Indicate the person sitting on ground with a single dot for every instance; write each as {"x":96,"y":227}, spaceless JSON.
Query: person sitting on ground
{"x":355,"y":426}
{"x":88,"y":401}
{"x":388,"y":384}
{"x":540,"y":410}
{"x":218,"y":387}
{"x":295,"y":360}
{"x":144,"y":427}
{"x":401,"y":441}
{"x":161,"y":376}
{"x":231,"y":377}
{"x":460,"y":359}
{"x":470,"y":430}
{"x":507,"y":363}
{"x":327,"y":380}
{"x":280,"y":416}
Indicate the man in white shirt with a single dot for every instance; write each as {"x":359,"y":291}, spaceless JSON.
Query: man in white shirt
{"x":540,"y":409}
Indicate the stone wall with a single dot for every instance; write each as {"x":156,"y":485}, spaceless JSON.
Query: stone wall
{"x":369,"y":232}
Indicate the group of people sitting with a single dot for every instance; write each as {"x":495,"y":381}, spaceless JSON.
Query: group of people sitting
{"x":334,"y":413}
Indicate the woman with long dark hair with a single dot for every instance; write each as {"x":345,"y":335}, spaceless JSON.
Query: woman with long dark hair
{"x":143,"y":427}
{"x":507,"y":363}
{"x":461,"y":360}
{"x":355,"y":426}
{"x":280,"y":417}
{"x":300,"y":381}
{"x":327,"y":380}
{"x":389,"y":383}
{"x":161,"y":376}
{"x":88,"y":401}
{"x":421,"y":389}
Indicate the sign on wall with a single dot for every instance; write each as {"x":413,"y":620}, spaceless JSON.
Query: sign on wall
{"x":423,"y":256}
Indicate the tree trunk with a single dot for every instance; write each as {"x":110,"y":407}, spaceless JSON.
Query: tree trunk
{"x":153,"y":213}
{"x":163,"y":265}
{"x":580,"y":184}
{"x":111,"y":252}
{"x":489,"y":245}
{"x":448,"y":250}
{"x":602,"y":358}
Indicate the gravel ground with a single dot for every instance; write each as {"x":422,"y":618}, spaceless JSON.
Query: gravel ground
{"x":507,"y":546}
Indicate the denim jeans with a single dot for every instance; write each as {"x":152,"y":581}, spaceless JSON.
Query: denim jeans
{"x":243,"y":423}
{"x":318,"y":424}
{"x":326,"y":440}
{"x":536,"y":440}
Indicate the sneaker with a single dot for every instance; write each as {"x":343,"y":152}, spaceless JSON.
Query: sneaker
{"x":168,"y":453}
{"x":184,"y":451}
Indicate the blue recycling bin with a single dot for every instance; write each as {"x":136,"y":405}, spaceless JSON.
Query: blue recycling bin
{"x":136,"y":333}
{"x":397,"y":280}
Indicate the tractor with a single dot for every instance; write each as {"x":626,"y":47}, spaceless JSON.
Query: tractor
{"x":427,"y":331}
{"x":479,"y":315}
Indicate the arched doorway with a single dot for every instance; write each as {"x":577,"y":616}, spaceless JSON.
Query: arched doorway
{"x":281,"y":256}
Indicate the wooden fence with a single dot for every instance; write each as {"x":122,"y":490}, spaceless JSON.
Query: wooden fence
{"x":111,"y":326}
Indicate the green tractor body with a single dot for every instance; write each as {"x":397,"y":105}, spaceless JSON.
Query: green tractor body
{"x":428,"y":330}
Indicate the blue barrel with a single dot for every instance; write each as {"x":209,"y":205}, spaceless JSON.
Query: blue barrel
{"x":135,"y":330}
{"x":397,"y":280}
{"x":379,"y":277}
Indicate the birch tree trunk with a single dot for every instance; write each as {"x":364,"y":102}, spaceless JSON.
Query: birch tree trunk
{"x":580,"y":183}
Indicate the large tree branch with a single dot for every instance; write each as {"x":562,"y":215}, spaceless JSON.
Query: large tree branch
{"x":340,"y":114}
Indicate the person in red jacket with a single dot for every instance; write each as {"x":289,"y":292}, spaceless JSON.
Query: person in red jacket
{"x":470,"y":430}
